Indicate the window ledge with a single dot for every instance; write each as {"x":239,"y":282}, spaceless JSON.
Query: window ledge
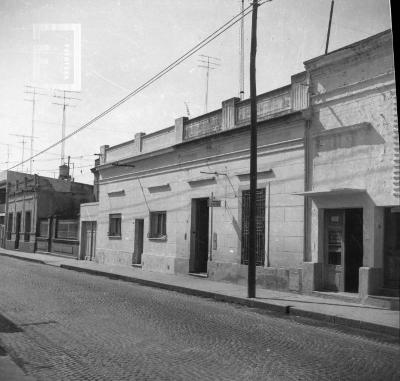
{"x":114,"y":237}
{"x":162,"y":238}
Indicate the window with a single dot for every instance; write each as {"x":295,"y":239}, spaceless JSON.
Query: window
{"x":114,"y":229}
{"x":9,"y":225}
{"x":158,"y":223}
{"x":28,"y":224}
{"x":44,"y":228}
{"x":67,"y":229}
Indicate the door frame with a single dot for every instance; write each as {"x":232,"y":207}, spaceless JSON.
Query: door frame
{"x":195,"y":261}
{"x":340,"y":270}
{"x":139,"y":241}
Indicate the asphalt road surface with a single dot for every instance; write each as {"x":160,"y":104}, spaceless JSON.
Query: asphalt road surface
{"x":75,"y":326}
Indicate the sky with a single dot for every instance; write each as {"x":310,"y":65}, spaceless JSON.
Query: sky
{"x":125,"y":42}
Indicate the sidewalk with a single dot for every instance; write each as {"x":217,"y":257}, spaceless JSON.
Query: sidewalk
{"x":330,"y":310}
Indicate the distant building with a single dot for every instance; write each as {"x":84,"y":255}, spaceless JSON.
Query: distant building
{"x":177,"y":200}
{"x":42,"y":213}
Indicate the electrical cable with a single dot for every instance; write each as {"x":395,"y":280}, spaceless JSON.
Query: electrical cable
{"x":178,"y":61}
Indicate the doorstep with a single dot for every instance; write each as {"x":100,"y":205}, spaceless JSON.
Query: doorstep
{"x":348,"y":297}
{"x":199,"y":275}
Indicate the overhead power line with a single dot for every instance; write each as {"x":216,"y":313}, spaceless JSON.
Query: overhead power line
{"x":160,"y":74}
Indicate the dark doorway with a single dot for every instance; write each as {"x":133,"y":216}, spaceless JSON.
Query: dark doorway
{"x":199,"y":236}
{"x":17,"y":229}
{"x":138,"y":246}
{"x":260,"y":226}
{"x":391,"y":263}
{"x":353,"y":248}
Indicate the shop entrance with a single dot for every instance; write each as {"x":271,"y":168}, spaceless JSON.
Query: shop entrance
{"x":343,"y":248}
{"x":199,"y":236}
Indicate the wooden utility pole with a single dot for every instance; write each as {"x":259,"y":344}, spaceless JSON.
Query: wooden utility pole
{"x":329,"y":27}
{"x":241,"y":56}
{"x":253,"y":157}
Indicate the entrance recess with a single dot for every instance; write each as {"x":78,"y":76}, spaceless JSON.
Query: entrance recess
{"x":199,"y":236}
{"x":138,"y":248}
{"x":343,"y":248}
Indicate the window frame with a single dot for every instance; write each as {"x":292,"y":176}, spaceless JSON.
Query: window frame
{"x":117,"y":232}
{"x":158,"y":225}
{"x":69,"y":233}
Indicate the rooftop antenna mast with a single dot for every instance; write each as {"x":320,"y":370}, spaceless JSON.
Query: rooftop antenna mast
{"x":23,"y":141}
{"x":208,"y":63}
{"x":187,"y":110}
{"x":64,"y":105}
{"x":241,"y":55}
{"x":34,"y":91}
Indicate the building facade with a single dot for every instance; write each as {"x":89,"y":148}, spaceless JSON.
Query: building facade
{"x":353,"y":214}
{"x":42,"y":214}
{"x":177,"y":200}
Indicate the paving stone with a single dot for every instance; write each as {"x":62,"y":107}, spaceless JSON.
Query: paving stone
{"x":81,"y":327}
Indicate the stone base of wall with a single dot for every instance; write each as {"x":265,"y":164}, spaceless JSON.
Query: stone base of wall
{"x":65,"y":248}
{"x":28,"y":247}
{"x":158,"y":263}
{"x":312,"y":277}
{"x":113,"y":257}
{"x":269,"y":278}
{"x":370,"y":281}
{"x":10,"y":245}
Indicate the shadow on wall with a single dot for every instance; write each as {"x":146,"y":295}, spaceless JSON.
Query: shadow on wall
{"x":362,"y":134}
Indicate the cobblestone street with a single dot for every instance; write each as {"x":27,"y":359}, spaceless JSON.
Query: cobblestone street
{"x":81,"y":327}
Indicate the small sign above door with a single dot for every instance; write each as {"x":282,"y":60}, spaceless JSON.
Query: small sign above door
{"x":213,"y":203}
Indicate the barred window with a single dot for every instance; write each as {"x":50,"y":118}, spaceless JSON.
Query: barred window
{"x":114,"y":229}
{"x":67,"y":229}
{"x":158,"y":224}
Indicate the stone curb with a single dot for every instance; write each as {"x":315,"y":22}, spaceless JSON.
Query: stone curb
{"x":23,"y":258}
{"x":287,"y":310}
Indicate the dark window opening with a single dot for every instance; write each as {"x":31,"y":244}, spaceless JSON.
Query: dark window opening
{"x":114,"y":229}
{"x":9,"y":226}
{"x":28,"y":224}
{"x":158,"y":224}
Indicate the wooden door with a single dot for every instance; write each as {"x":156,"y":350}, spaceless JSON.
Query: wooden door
{"x":138,"y":245}
{"x":199,"y":236}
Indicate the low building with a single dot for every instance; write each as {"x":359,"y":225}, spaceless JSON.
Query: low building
{"x":353,"y":219}
{"x":177,"y":200}
{"x":42,"y":213}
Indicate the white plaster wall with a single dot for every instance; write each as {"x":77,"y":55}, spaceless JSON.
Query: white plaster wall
{"x":281,"y":150}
